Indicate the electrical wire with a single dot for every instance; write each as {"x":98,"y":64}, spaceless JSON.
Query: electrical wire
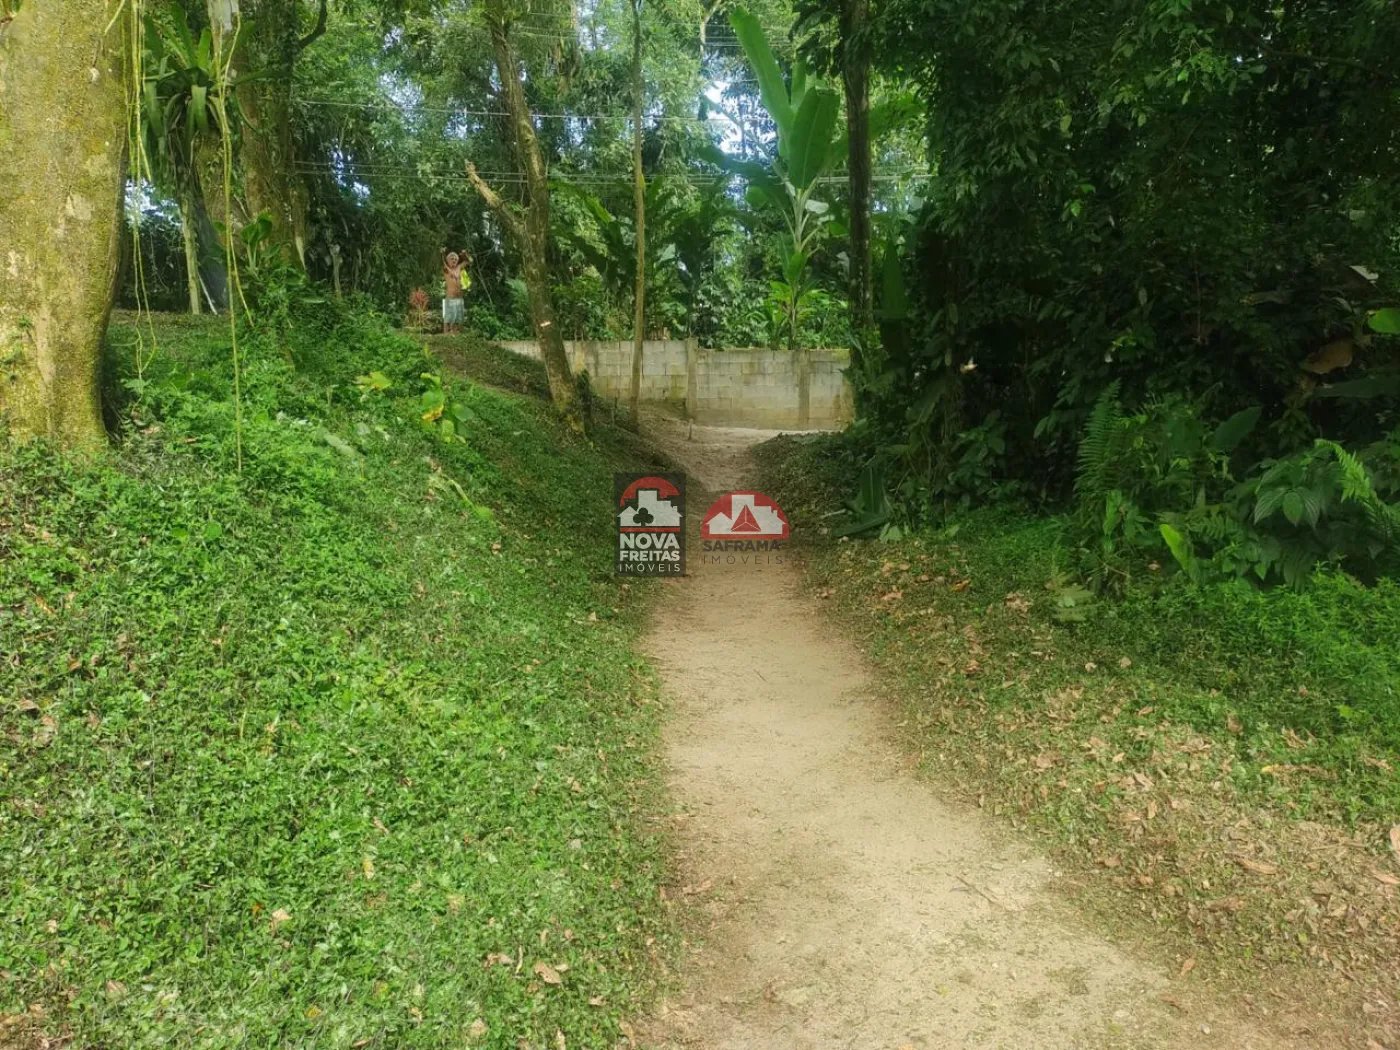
{"x":455,"y":111}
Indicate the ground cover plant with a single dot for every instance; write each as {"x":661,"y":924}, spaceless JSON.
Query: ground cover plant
{"x":346,"y":748}
{"x":1222,"y":759}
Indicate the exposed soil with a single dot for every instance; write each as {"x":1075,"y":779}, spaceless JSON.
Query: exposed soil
{"x":839,"y":901}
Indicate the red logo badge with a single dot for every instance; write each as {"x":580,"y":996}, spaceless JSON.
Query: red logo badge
{"x":744,"y":516}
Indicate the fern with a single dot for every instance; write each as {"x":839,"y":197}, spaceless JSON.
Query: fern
{"x":1382,"y":517}
{"x":1091,"y":478}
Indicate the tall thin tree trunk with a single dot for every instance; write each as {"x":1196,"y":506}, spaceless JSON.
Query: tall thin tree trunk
{"x":189,"y":236}
{"x":264,"y":63}
{"x":855,"y":76}
{"x":639,"y":320}
{"x":531,"y":231}
{"x":63,"y":136}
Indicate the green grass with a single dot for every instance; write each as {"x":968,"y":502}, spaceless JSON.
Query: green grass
{"x":1160,"y":741}
{"x":1268,"y":669}
{"x":299,"y":756}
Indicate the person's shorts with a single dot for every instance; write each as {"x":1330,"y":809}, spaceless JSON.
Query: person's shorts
{"x":452,"y":311}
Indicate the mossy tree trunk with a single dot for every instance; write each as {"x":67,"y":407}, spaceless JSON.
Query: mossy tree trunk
{"x":63,"y":135}
{"x":530,"y":229}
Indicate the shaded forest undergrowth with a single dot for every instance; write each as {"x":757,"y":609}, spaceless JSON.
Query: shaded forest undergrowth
{"x":1216,"y":764}
{"x":349,"y":748}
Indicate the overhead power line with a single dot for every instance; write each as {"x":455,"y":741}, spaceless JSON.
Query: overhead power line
{"x":462,"y":111}
{"x":513,"y":177}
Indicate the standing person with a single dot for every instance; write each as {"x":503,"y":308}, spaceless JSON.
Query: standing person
{"x":456,"y":276}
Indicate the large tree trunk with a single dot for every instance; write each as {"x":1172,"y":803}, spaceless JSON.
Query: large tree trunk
{"x":63,"y":136}
{"x":639,"y":318}
{"x":855,"y":76}
{"x":531,"y":231}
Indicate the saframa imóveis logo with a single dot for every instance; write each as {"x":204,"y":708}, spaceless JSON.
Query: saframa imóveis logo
{"x":741,"y":527}
{"x":650,"y":512}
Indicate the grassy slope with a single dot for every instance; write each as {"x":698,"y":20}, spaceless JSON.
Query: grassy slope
{"x":333,"y":752}
{"x":1168,"y":744}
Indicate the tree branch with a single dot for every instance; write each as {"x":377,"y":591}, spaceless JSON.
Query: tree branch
{"x":316,"y":31}
{"x":495,"y":203}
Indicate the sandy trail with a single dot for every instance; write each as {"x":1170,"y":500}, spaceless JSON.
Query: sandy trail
{"x":847,"y":904}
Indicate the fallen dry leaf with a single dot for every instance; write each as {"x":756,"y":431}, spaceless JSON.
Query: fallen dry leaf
{"x":280,"y":916}
{"x":1395,"y":841}
{"x":478,"y":1029}
{"x":548,"y":974}
{"x":1187,"y":967}
{"x":559,"y":1043}
{"x":1259,"y":867}
{"x":1385,"y":878}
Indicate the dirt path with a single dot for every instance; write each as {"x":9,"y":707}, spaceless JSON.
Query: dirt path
{"x":847,"y":904}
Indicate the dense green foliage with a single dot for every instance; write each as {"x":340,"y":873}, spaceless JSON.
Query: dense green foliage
{"x":332,"y":750}
{"x":1183,"y":200}
{"x":390,"y":102}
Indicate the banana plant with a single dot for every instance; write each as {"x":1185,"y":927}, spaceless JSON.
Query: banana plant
{"x":610,"y":247}
{"x":179,"y":95}
{"x":805,"y":113}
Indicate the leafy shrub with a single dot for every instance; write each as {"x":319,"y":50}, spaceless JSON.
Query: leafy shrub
{"x":1161,"y":482}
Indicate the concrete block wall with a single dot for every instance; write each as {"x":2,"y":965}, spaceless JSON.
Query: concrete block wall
{"x":749,"y":387}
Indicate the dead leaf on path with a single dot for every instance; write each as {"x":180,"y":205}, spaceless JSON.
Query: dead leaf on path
{"x":548,"y":974}
{"x":499,"y":959}
{"x":1293,"y":740}
{"x":893,"y":596}
{"x":1395,"y":841}
{"x":597,"y":1000}
{"x":1376,"y":763}
{"x":280,"y":916}
{"x":1385,"y":878}
{"x":1286,"y":768}
{"x":962,"y":585}
{"x":1187,"y":967}
{"x":1259,"y":867}
{"x":559,"y":1042}
{"x":477,"y":1030}
{"x":1230,"y":904}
